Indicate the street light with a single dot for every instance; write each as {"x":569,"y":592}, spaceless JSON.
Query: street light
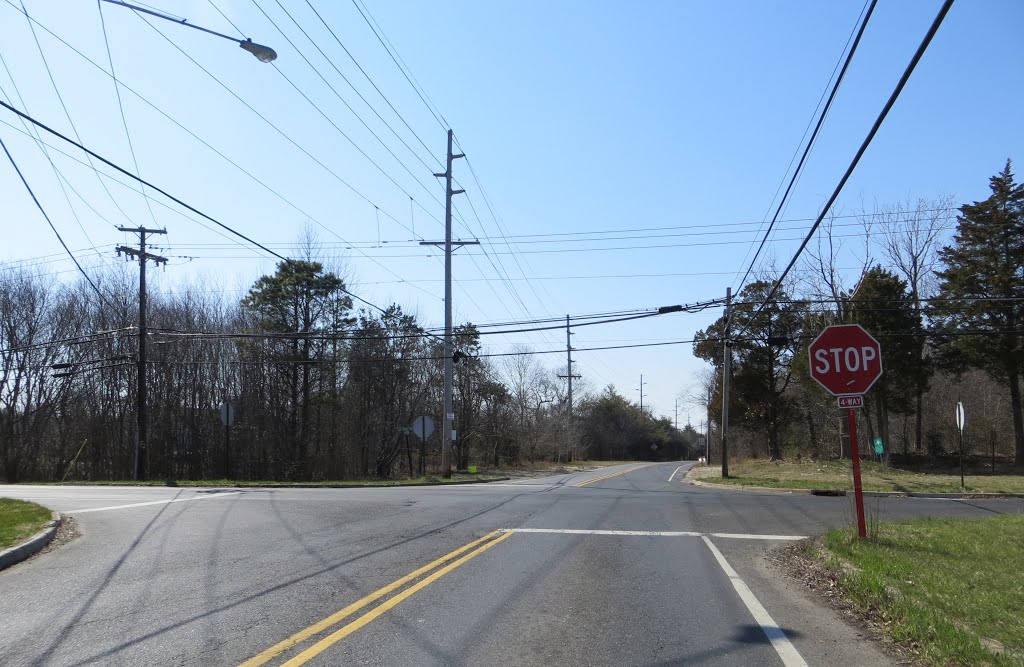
{"x":265,"y":54}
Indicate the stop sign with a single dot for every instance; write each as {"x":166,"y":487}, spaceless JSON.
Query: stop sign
{"x":845,"y":359}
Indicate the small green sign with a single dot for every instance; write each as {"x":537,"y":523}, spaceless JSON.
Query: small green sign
{"x":879,"y":448}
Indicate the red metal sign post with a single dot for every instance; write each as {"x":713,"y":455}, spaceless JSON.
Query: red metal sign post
{"x":846,"y":360}
{"x":858,"y":493}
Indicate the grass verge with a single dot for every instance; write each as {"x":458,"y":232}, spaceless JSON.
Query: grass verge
{"x":839,"y":475}
{"x":950,"y":590}
{"x":20,"y":520}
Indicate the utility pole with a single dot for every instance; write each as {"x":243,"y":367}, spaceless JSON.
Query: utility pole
{"x":447,"y":421}
{"x":707,"y":428}
{"x":642,"y":383}
{"x":139,"y":468}
{"x":675,"y":421}
{"x":568,"y":376}
{"x":726,"y":371}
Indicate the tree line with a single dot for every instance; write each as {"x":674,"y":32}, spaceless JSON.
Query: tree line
{"x":948,"y":316}
{"x":320,"y":390}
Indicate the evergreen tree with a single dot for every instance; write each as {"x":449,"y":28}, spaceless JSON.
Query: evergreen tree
{"x":882,"y":304}
{"x":763,"y":356}
{"x":980,"y":311}
{"x":306,"y":304}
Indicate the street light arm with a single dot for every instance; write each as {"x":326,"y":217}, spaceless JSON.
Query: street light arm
{"x":263,"y":53}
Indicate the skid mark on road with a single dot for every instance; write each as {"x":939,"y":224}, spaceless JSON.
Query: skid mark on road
{"x":436,"y":570}
{"x":153,"y":502}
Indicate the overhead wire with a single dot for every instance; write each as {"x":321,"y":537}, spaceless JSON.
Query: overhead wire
{"x":228,"y":159}
{"x":372,"y":82}
{"x":166,"y":194}
{"x":922,"y":47}
{"x":60,"y":99}
{"x":814,"y":135}
{"x":120,"y":104}
{"x":333,"y":124}
{"x":403,"y":68}
{"x":356,"y":90}
{"x":50,"y":222}
{"x":61,"y":179}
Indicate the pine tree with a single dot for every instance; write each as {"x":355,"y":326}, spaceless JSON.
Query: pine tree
{"x":883,"y":305}
{"x":763,"y":358}
{"x":980,"y":311}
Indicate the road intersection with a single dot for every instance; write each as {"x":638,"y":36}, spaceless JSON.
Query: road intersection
{"x":629,"y":565}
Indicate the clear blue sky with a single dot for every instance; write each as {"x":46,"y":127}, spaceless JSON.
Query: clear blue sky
{"x":578,"y":117}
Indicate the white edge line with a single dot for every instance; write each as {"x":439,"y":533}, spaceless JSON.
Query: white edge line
{"x":750,"y":536}
{"x":651,"y":533}
{"x":674,"y":473}
{"x":152,"y":502}
{"x":787,"y":652}
{"x":626,"y":533}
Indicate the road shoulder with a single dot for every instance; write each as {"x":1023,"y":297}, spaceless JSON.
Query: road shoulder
{"x":808,"y":577}
{"x":822,"y":633}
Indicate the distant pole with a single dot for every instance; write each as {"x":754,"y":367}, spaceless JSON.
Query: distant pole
{"x":568,"y":362}
{"x":569,"y":375}
{"x":675,"y":422}
{"x":139,"y":468}
{"x":707,"y":428}
{"x":726,"y":371}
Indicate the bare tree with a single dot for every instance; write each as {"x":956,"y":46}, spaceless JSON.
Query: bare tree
{"x":911,"y":238}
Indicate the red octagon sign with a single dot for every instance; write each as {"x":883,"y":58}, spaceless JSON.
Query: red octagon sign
{"x":845,"y":359}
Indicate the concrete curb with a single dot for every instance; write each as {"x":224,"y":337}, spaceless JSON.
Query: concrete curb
{"x":845,"y":492}
{"x":31,"y":546}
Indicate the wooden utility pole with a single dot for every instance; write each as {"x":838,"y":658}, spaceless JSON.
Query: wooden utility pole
{"x":139,"y":468}
{"x":726,"y":372}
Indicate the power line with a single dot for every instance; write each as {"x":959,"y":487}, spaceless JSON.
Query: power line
{"x":390,"y":48}
{"x":356,"y":90}
{"x":62,"y":181}
{"x":120,"y":105}
{"x":50,"y":222}
{"x":60,"y":99}
{"x":221,"y":154}
{"x":348,"y":106}
{"x":166,"y":194}
{"x":372,"y":83}
{"x":810,"y":142}
{"x":863,"y":147}
{"x":274,"y":127}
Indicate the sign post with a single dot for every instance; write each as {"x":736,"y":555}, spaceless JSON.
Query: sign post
{"x":423,"y":427}
{"x":961,"y":421}
{"x":846,"y":360}
{"x":227,"y":417}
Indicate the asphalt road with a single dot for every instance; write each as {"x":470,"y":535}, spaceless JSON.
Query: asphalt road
{"x":593,"y":568}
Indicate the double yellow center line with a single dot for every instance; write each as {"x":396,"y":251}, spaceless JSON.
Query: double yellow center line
{"x":436,"y":570}
{"x":610,"y":475}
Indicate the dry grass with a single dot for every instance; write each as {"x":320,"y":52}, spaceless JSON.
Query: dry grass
{"x":839,"y":475}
